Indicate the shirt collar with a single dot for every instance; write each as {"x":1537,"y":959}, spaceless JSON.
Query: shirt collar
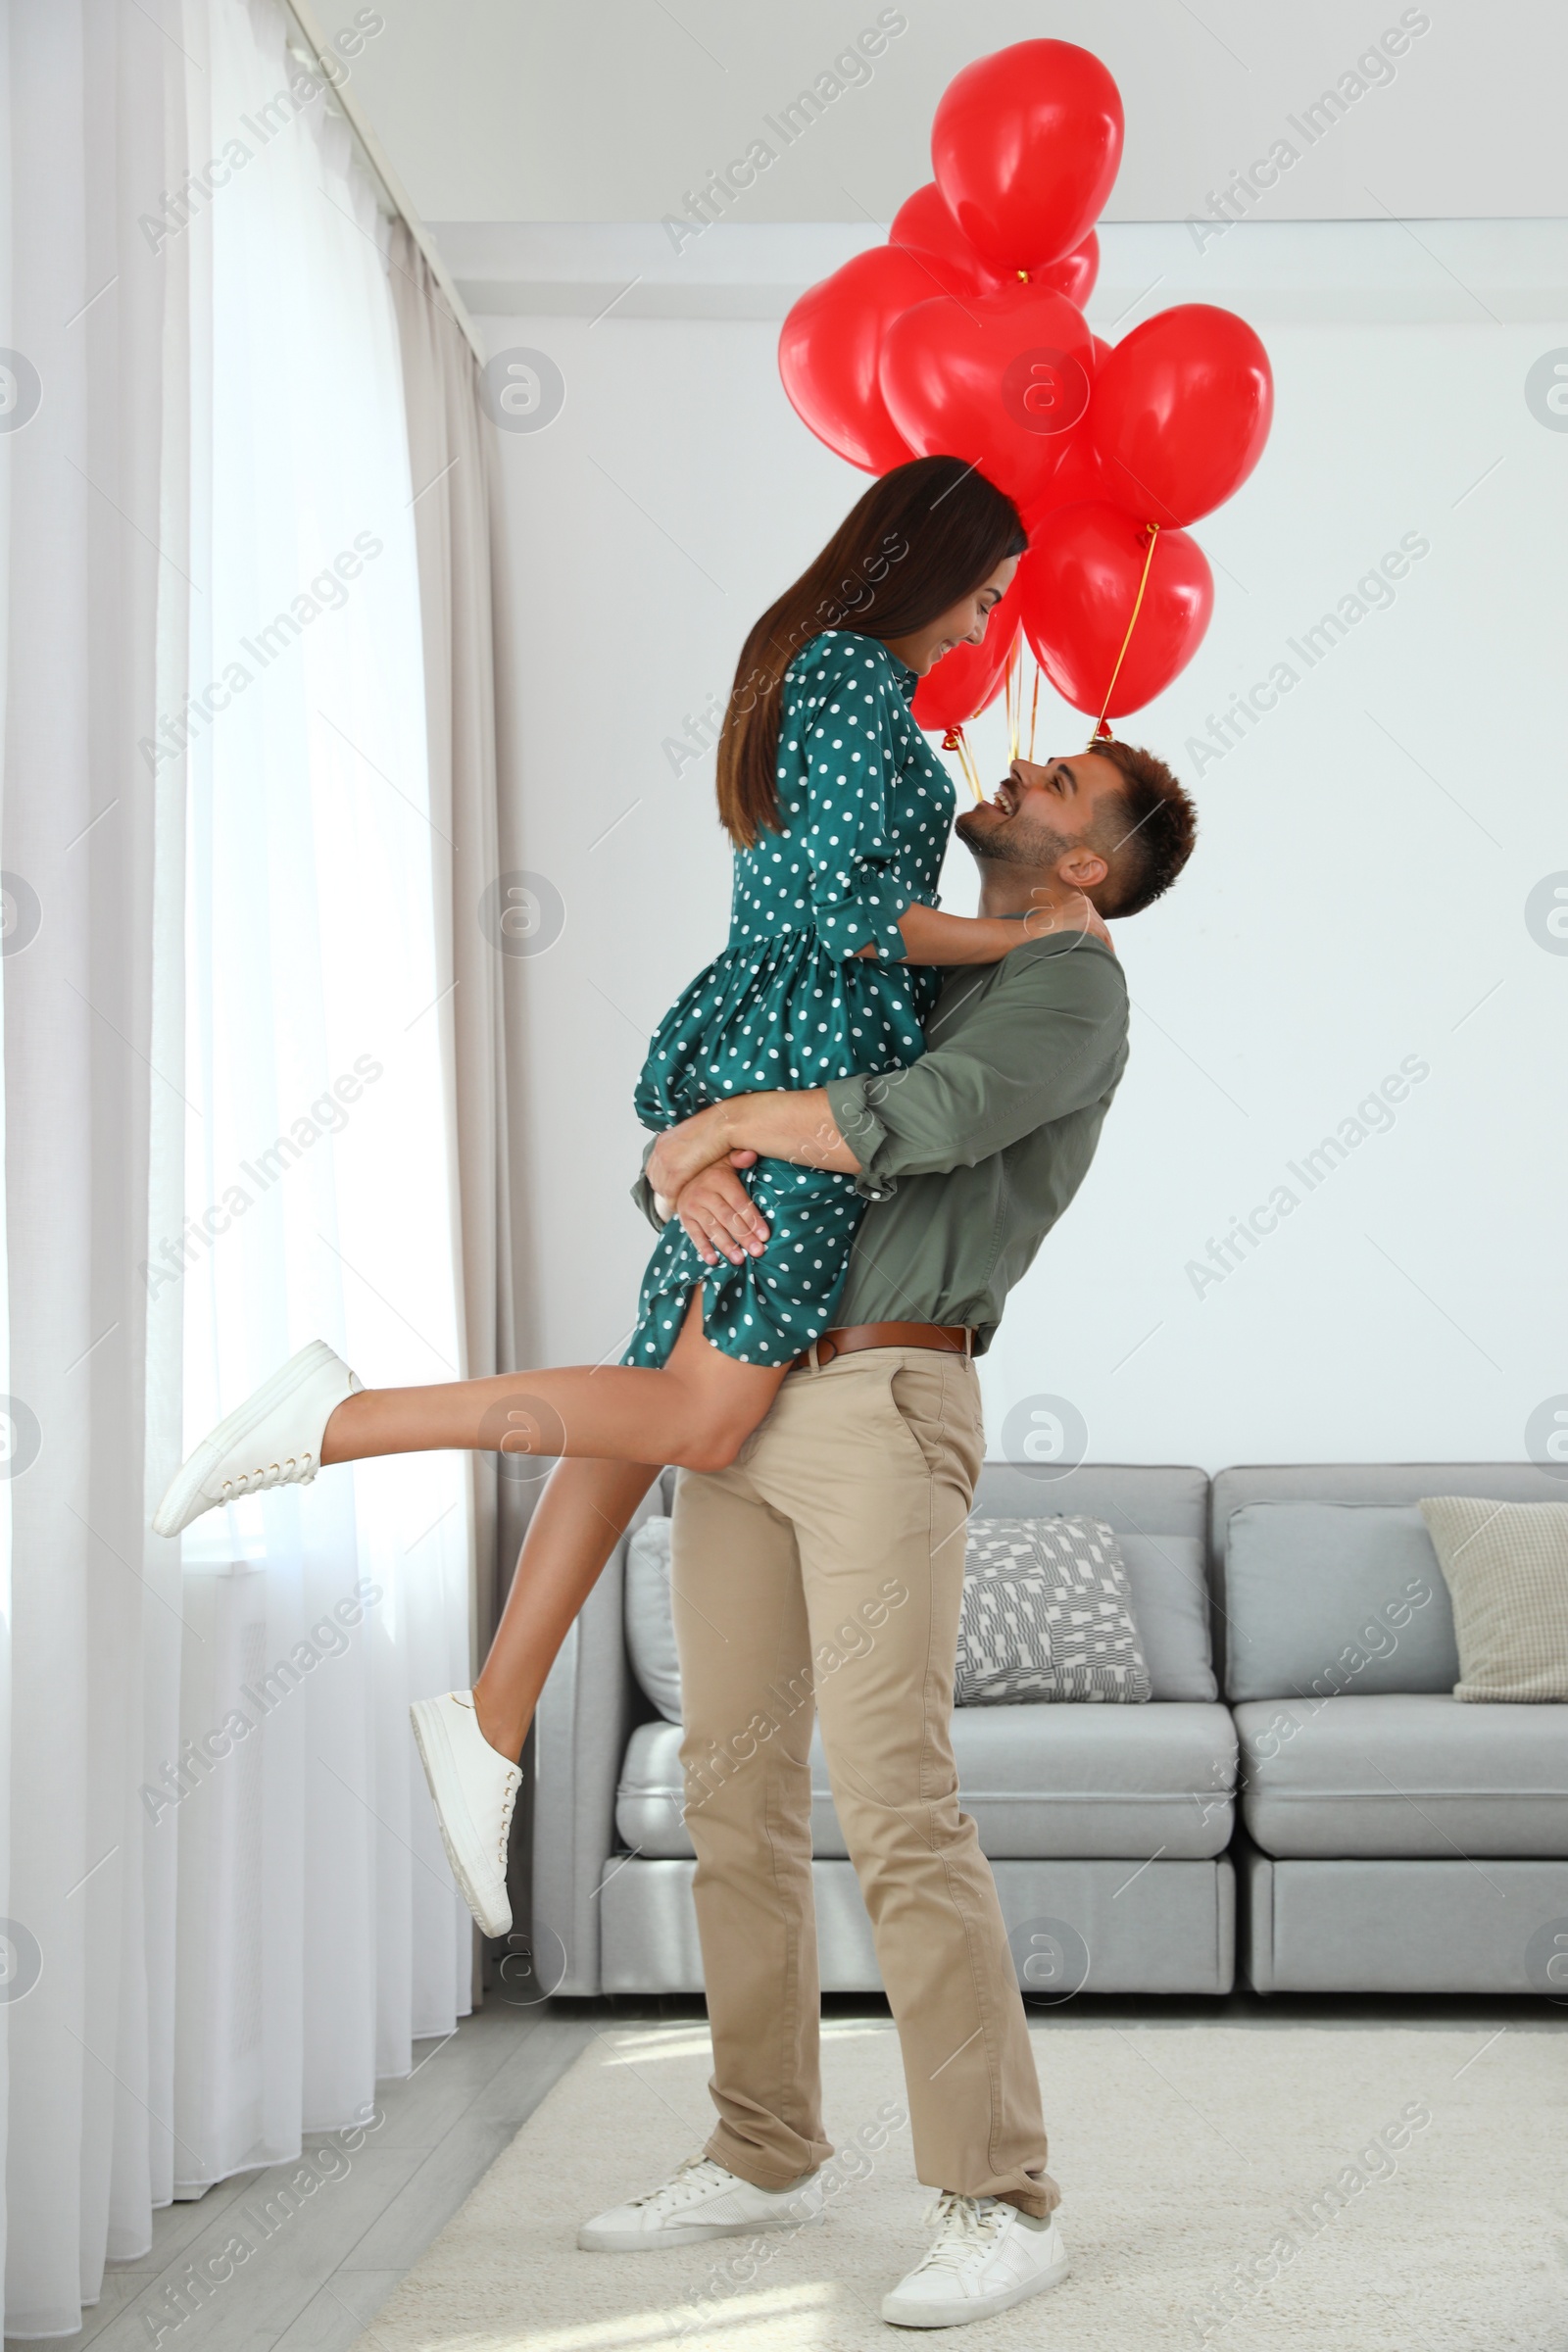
{"x":908,"y":679}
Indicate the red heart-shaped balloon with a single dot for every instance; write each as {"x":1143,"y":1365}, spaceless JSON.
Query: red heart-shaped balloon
{"x":829,"y":347}
{"x":1084,"y":570}
{"x":1075,"y":482}
{"x":1025,"y":144}
{"x":1182,"y":410}
{"x":1074,"y":274}
{"x":924,"y":225}
{"x":998,"y":379}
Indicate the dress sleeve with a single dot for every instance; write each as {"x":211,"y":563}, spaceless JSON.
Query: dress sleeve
{"x":849,"y":756}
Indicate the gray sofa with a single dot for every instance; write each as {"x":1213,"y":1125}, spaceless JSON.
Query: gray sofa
{"x":1392,"y":1838}
{"x":1385,"y":1835}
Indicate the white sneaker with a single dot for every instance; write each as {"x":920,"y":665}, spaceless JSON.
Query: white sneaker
{"x":272,"y":1439}
{"x":986,"y":2257}
{"x":701,"y":2201}
{"x":474,"y":1787}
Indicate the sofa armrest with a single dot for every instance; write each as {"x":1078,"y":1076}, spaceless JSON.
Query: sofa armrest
{"x":585,"y":1716}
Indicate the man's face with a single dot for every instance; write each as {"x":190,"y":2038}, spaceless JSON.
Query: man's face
{"x":1038,"y":813}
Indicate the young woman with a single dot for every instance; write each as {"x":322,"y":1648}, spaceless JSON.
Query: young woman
{"x":839,"y":814}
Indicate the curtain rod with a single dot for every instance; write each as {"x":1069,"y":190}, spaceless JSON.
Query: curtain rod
{"x":375,"y":159}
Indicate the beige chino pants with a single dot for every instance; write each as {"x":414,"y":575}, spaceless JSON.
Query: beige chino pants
{"x":823,"y":1573}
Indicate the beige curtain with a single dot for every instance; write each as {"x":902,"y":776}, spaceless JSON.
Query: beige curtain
{"x":449,"y":443}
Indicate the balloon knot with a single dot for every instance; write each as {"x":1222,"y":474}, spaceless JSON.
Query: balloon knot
{"x":953,"y":740}
{"x":1103,"y":733}
{"x":1024,"y":274}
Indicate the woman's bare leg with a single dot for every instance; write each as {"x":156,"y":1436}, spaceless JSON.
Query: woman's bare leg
{"x":577,"y":1522}
{"x":696,"y":1413}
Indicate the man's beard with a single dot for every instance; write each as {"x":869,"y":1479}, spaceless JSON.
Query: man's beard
{"x":1016,"y":841}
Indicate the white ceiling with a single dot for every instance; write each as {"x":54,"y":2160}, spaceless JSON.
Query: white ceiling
{"x":612,"y":110}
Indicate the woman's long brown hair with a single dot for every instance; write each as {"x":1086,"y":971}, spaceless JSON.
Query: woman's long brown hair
{"x":924,"y":536}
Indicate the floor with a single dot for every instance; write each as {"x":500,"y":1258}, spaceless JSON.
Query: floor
{"x":314,"y":2283}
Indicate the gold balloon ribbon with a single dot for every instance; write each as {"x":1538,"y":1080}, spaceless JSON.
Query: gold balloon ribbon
{"x":955,"y":741}
{"x":1014,"y":693}
{"x":1101,"y":730}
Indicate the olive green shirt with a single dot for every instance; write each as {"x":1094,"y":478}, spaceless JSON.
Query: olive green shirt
{"x":970,"y":1155}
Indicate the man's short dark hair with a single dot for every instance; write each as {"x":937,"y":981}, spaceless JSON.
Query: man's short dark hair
{"x":1144,"y":835}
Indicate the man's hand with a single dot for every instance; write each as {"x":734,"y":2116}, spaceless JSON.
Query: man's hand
{"x":778,"y":1124}
{"x":683,"y":1152}
{"x":715,"y":1211}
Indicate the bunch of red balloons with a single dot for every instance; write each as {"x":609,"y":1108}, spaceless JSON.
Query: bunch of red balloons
{"x":964,"y":335}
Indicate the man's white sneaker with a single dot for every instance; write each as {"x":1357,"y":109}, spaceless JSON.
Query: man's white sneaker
{"x":986,"y":2257}
{"x":701,"y":2201}
{"x":272,"y":1439}
{"x":474,"y":1787}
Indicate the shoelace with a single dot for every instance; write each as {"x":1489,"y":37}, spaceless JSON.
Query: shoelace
{"x":694,"y":2175}
{"x":298,"y":1470}
{"x":965,"y":2227}
{"x":514,"y":1784}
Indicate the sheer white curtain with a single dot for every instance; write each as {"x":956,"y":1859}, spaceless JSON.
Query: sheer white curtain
{"x":92,"y":404}
{"x":226,"y":1908}
{"x":319,"y":1931}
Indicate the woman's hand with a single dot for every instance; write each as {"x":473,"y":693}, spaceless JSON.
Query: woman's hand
{"x":1079,"y":914}
{"x":715,"y":1212}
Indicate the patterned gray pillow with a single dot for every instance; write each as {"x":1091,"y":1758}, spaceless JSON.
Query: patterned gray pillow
{"x":1047,"y":1614}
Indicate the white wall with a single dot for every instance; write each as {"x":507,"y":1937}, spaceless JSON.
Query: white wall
{"x":1358,"y":896}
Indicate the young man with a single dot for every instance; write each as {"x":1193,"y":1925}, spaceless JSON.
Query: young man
{"x":849,"y":1505}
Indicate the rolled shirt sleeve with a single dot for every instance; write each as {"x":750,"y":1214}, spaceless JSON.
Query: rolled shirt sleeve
{"x":1047,"y":1039}
{"x":849,"y":758}
{"x":641,"y":1192}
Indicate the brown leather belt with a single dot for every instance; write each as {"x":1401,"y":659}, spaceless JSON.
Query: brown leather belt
{"x":950,"y":1339}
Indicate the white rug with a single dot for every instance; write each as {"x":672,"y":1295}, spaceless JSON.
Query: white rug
{"x":1222,"y":2184}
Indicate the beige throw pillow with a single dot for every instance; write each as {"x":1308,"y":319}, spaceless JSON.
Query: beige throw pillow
{"x":1506,"y":1568}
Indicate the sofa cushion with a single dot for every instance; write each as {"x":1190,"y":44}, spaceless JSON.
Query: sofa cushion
{"x":1506,"y":1565}
{"x":1039,"y":1781}
{"x":1047,"y":1616}
{"x":1407,"y":1774}
{"x":649,"y":1624}
{"x":1170,"y":1603}
{"x":1169,"y":1596}
{"x":1322,"y":1597}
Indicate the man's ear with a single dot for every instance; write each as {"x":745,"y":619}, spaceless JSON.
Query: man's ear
{"x":1082,"y":868}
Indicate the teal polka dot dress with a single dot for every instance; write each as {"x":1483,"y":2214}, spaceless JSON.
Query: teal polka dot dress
{"x":865,"y":809}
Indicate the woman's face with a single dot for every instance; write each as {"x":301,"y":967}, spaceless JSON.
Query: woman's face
{"x":963,"y":623}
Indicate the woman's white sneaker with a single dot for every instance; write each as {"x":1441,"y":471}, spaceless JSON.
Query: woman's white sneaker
{"x":986,"y":2257}
{"x":272,"y":1439}
{"x":701,"y":2201}
{"x":474,"y":1787}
